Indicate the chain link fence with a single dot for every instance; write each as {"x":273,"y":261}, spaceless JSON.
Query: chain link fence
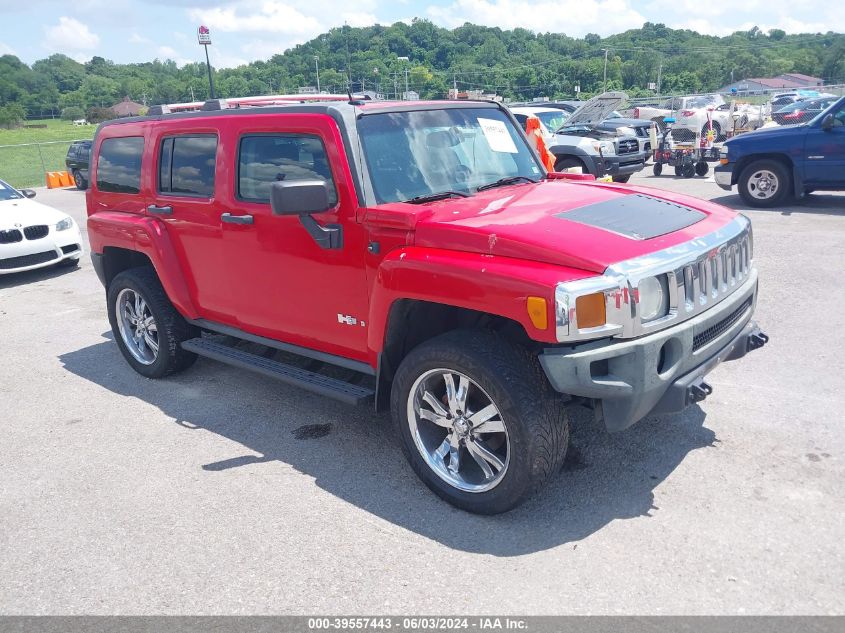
{"x":25,"y":164}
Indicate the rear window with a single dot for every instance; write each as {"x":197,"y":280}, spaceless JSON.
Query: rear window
{"x":187,"y":165}
{"x":119,"y":165}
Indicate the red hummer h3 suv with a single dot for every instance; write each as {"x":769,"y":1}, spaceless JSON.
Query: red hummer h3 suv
{"x":417,"y":256}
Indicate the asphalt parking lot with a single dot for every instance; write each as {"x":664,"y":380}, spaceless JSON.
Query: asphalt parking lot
{"x":198,"y":495}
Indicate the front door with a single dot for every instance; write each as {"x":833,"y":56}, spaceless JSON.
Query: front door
{"x":285,"y":286}
{"x":825,"y":153}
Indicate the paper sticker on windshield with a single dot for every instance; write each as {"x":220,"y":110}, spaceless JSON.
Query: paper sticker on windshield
{"x":497,"y":135}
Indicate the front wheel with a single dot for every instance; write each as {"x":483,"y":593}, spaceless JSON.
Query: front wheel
{"x":622,"y":179}
{"x":478,"y":421}
{"x":764,"y":183}
{"x":147,"y":328}
{"x":569,"y":162}
{"x":657,"y":169}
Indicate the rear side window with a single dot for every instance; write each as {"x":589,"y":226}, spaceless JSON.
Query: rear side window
{"x":187,"y":165}
{"x":269,"y":158}
{"x":119,"y":165}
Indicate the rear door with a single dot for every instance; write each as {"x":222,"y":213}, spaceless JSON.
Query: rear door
{"x":185,"y":198}
{"x":825,"y":152}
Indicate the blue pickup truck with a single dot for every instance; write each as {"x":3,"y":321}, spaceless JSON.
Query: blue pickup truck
{"x":772,"y":164}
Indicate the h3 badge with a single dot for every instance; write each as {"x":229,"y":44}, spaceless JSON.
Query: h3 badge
{"x":347,"y":319}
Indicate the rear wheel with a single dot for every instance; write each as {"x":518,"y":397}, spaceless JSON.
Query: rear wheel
{"x":657,"y":169}
{"x":478,"y":421}
{"x":79,"y":180}
{"x":688,"y":170}
{"x":147,"y":328}
{"x":764,"y":183}
{"x":701,"y":168}
{"x":679,"y":170}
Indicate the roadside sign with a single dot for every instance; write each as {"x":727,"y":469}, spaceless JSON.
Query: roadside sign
{"x":204,"y":35}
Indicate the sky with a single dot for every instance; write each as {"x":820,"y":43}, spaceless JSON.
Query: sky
{"x":247,"y":30}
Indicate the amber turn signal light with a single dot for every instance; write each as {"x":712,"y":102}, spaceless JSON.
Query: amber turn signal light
{"x":538,"y":312}
{"x":590,"y":310}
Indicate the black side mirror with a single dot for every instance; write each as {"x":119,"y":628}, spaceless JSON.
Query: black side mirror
{"x":827,"y":122}
{"x":302,"y":198}
{"x":299,"y":197}
{"x":28,"y":193}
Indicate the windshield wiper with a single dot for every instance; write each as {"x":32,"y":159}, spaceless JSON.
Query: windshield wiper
{"x":501,"y":182}
{"x":442,"y":195}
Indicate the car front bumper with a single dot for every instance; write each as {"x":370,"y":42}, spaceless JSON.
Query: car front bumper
{"x":723,"y":175}
{"x":659,"y":373}
{"x":31,"y":254}
{"x":619,"y":165}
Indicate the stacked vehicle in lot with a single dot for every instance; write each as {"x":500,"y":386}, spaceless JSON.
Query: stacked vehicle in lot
{"x":578,"y":141}
{"x":419,"y":256}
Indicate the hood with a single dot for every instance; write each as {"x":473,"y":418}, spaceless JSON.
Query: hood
{"x":765,"y":133}
{"x":577,"y":224}
{"x":596,"y":109}
{"x":26,"y":212}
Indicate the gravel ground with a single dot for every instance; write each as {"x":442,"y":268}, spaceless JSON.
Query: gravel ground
{"x":194,"y":495}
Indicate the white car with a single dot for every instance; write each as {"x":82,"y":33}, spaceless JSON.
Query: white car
{"x":33,"y":235}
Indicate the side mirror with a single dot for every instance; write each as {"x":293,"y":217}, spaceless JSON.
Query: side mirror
{"x":28,"y":193}
{"x":827,"y":122}
{"x":299,"y":197}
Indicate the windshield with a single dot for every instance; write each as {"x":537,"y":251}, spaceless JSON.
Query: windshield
{"x":426,"y":152}
{"x":7,"y":193}
{"x":553,"y":120}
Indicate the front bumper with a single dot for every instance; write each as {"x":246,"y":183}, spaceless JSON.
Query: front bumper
{"x":619,"y":165}
{"x":32,"y":254}
{"x":659,"y":373}
{"x":723,"y":175}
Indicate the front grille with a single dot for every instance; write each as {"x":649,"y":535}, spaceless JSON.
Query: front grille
{"x":715,"y":331}
{"x":10,"y":237}
{"x":27,"y":260}
{"x":628,"y":146}
{"x":713,"y":276}
{"x":36,"y":232}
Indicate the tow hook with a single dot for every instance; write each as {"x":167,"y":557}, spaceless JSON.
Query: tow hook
{"x":698,"y":391}
{"x":757,"y":339}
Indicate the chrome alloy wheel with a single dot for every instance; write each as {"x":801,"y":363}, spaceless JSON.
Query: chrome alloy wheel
{"x":137,"y":326}
{"x":458,"y":430}
{"x":763,"y":184}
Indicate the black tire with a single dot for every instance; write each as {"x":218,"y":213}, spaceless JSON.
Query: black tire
{"x":79,"y":180}
{"x":567,"y":162}
{"x":777,"y":188}
{"x":622,"y":179}
{"x":172,"y":329}
{"x":535,"y":417}
{"x":657,"y":169}
{"x":679,"y":170}
{"x":701,"y":168}
{"x":716,"y":128}
{"x":688,"y":170}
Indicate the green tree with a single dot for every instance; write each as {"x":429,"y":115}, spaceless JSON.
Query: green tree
{"x":72,"y":113}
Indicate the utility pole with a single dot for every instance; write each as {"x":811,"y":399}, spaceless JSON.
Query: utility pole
{"x":605,"y":69}
{"x":317,"y":66}
{"x":407,"y":63}
{"x":659,"y":72}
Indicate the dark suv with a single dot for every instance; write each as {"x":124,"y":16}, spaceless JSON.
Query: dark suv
{"x":77,"y":162}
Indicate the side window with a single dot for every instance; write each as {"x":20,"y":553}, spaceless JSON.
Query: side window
{"x":186,"y":166}
{"x":268,"y":158}
{"x":119,"y":165}
{"x":521,"y":119}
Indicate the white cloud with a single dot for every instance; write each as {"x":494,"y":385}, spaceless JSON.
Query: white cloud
{"x":269,"y":16}
{"x":70,"y":35}
{"x":573,"y":17}
{"x":138,"y":39}
{"x":359,"y":19}
{"x":6,"y":50}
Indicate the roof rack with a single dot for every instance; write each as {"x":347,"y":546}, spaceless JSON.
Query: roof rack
{"x":247,"y":102}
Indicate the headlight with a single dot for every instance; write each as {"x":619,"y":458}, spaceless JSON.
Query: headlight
{"x":65,"y":224}
{"x":653,"y":298}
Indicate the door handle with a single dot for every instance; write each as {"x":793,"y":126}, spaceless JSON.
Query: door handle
{"x":236,"y":219}
{"x":159,"y":210}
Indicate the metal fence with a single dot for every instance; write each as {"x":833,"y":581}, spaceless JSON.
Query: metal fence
{"x":25,"y":164}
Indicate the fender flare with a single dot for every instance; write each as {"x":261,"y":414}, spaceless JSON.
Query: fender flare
{"x":147,"y":236}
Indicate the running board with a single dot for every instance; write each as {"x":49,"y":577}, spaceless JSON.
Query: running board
{"x":308,"y":380}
